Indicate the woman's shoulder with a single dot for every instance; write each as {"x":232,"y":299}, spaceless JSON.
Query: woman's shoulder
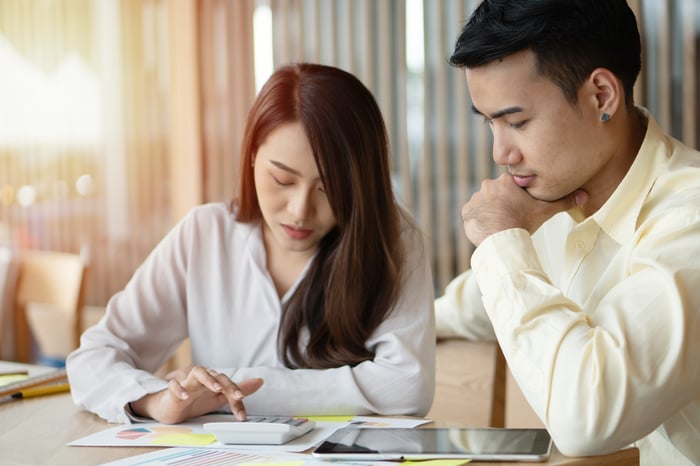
{"x":413,"y":238}
{"x":212,"y":210}
{"x":216,"y":217}
{"x":411,"y":232}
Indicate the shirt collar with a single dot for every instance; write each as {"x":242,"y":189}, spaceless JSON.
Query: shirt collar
{"x":618,"y":215}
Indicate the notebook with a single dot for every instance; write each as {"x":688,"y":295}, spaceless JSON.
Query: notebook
{"x":52,"y":376}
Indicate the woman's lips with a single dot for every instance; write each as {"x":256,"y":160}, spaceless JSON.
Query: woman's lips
{"x":296,"y":233}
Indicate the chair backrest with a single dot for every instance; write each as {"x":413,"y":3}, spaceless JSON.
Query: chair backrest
{"x":469,"y":383}
{"x":474,"y":386}
{"x":8,"y":275}
{"x":55,"y":281}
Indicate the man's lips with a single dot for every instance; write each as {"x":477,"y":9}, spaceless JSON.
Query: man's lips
{"x":523,"y":180}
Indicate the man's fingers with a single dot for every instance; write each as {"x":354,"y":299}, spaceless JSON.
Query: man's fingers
{"x":581,"y":197}
{"x":577,"y":198}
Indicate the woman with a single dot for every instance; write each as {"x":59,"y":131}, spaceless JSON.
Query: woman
{"x":310,"y":294}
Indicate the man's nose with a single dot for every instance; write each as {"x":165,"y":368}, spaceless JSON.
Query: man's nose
{"x":504,"y":151}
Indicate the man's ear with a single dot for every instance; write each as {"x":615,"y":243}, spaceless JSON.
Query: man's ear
{"x":606,"y":92}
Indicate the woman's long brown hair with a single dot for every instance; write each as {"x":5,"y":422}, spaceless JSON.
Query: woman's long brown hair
{"x":355,"y":277}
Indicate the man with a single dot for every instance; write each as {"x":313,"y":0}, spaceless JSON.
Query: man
{"x":587,"y":266}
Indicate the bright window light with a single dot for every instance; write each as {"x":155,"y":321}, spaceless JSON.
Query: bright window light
{"x":262,"y":44}
{"x":414,"y":35}
{"x":59,"y":106}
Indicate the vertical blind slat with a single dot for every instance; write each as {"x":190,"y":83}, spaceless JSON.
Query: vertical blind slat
{"x":442,"y":185}
{"x":664,"y":68}
{"x":464,"y":172}
{"x":690,"y":73}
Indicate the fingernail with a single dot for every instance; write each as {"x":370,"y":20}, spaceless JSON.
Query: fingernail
{"x":184,"y":395}
{"x":217,"y":387}
{"x":238,"y":394}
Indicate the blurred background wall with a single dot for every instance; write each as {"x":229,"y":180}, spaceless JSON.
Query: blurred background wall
{"x":117,"y":116}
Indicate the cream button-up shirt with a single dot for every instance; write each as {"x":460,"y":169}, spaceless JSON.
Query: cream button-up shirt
{"x":599,"y":318}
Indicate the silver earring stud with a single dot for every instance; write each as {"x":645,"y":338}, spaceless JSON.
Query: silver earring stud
{"x":605,"y":117}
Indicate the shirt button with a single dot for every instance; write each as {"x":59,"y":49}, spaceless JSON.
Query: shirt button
{"x":580,"y":244}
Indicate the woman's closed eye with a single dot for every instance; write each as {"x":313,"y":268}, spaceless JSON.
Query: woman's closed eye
{"x":281,"y":181}
{"x":285,"y":180}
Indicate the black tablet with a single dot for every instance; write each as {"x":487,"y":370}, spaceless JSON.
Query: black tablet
{"x":484,"y":444}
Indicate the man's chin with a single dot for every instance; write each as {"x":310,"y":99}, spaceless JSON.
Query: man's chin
{"x":538,"y":195}
{"x":546,"y":197}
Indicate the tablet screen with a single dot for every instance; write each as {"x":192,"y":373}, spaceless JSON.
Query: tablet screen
{"x":406,"y":443}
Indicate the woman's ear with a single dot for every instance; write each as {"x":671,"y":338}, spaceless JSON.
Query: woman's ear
{"x":606,"y":91}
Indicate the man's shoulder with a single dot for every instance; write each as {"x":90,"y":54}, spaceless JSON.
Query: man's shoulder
{"x":680,"y":180}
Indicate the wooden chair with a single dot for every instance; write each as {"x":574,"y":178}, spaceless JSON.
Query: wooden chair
{"x":469,"y":385}
{"x":8,"y":274}
{"x":48,"y":303}
{"x":474,"y":387}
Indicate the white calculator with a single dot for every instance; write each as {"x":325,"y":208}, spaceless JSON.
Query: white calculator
{"x":260,"y":430}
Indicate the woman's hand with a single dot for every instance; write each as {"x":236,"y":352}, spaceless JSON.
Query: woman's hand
{"x":195,"y":391}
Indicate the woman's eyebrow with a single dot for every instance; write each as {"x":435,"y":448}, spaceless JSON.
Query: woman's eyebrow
{"x":284,"y":167}
{"x":289,"y":169}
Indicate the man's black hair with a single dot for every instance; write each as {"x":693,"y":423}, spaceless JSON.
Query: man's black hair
{"x":570,"y":38}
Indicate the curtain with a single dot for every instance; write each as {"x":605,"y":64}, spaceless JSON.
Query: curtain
{"x":441,"y":150}
{"x":118,"y":116}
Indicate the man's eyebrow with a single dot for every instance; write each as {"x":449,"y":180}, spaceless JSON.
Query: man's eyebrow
{"x":500,"y":113}
{"x":284,"y":167}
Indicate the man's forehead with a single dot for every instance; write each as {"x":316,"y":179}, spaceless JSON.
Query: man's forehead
{"x":510,"y":86}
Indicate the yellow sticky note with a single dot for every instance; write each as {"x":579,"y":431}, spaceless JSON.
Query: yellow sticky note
{"x":8,"y":379}
{"x":184,"y":440}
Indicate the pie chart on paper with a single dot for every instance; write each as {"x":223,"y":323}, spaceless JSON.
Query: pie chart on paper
{"x":133,"y":434}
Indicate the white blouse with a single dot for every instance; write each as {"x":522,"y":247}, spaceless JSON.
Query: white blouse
{"x":207,"y":280}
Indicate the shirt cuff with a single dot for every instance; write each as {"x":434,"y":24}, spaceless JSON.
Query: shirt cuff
{"x":501,"y":265}
{"x":133,"y":417}
{"x":504,"y":253}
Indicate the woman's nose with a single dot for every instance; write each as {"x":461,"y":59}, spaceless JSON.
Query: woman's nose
{"x":300,"y":205}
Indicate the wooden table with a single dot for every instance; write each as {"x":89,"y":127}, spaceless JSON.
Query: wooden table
{"x":35,"y":431}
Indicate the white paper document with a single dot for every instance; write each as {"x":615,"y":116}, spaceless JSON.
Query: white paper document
{"x":179,"y":456}
{"x":192,"y":434}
